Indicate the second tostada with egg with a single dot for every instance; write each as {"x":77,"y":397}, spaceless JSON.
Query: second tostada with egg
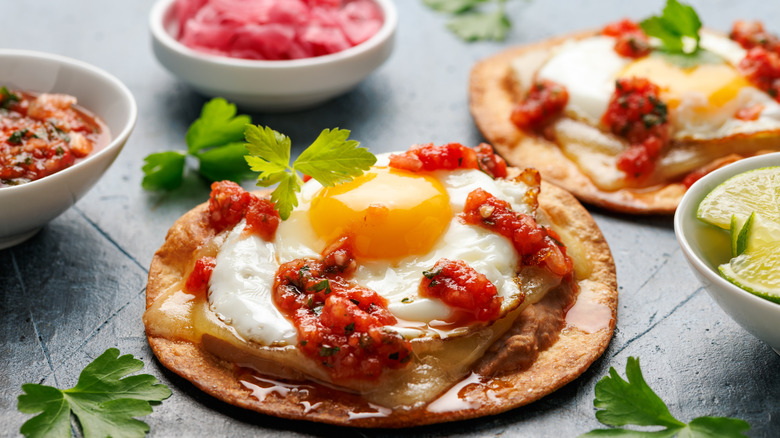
{"x":629,"y":116}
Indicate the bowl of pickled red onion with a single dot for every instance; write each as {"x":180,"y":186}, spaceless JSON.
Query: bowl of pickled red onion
{"x":62,"y":124}
{"x":270,"y":55}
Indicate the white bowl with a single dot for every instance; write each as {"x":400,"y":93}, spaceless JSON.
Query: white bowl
{"x":706,"y":247}
{"x":25,"y":208}
{"x":284,"y":85}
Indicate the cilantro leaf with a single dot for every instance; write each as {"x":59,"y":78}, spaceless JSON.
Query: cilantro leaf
{"x":103,"y":401}
{"x":215,"y":139}
{"x":632,"y":402}
{"x":453,"y":6}
{"x":163,"y":170}
{"x":225,"y":162}
{"x":331,"y":159}
{"x":481,"y":26}
{"x":218,"y":125}
{"x":676,"y":22}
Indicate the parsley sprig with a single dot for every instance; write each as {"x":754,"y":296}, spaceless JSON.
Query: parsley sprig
{"x":104,"y":403}
{"x":332,"y":159}
{"x":676,"y":22}
{"x":215,"y":139}
{"x":632,"y":402}
{"x":471,"y":22}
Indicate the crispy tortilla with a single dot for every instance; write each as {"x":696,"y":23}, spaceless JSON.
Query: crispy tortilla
{"x":493,"y":92}
{"x":538,"y":355}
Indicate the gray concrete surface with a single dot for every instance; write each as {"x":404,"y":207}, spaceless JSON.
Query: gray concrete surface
{"x":77,"y":287}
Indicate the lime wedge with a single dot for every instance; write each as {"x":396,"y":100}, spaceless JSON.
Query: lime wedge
{"x":748,"y":205}
{"x":757,"y":269}
{"x":757,"y":191}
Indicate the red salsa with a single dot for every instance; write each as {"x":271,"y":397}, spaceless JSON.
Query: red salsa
{"x":461,"y":287}
{"x":198,"y":280}
{"x":451,"y":156}
{"x":631,"y":40}
{"x":535,"y":244}
{"x":543,"y":103}
{"x":751,"y":34}
{"x":761,"y":64}
{"x":229,"y":203}
{"x":340,"y":324}
{"x":637,"y":113}
{"x":762,"y":68}
{"x":43,"y":134}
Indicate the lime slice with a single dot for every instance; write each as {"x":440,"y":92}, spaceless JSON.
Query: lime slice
{"x":757,"y":269}
{"x":748,"y":205}
{"x":757,"y":191}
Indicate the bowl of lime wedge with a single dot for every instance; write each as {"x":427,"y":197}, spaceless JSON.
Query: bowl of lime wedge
{"x":728,"y":226}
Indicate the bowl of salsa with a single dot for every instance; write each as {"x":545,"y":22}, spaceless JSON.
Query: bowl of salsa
{"x":60,"y":130}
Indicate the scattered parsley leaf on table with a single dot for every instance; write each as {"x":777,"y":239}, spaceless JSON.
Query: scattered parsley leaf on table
{"x":453,"y":6}
{"x":103,"y":402}
{"x":331,"y":159}
{"x":632,"y":402}
{"x":217,"y":125}
{"x":163,"y":170}
{"x":215,"y":139}
{"x":471,"y":24}
{"x":481,"y":26}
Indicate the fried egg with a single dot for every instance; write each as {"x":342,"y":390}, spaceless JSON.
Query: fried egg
{"x":702,"y":99}
{"x":702,"y":103}
{"x":402,"y":223}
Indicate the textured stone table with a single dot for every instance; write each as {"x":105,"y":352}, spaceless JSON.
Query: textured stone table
{"x":77,"y":287}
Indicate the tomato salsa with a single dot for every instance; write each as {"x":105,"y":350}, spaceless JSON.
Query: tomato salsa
{"x":451,"y":156}
{"x":43,"y":134}
{"x":637,"y":113}
{"x":460,"y":286}
{"x":543,"y":103}
{"x":340,"y":324}
{"x":630,"y":40}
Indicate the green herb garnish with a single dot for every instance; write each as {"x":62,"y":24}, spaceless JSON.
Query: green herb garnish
{"x":677,"y":22}
{"x":320,"y":286}
{"x":6,"y":97}
{"x":103,"y":402}
{"x":17,"y":136}
{"x":326,"y":351}
{"x":620,"y":402}
{"x":332,"y":159}
{"x":215,"y":139}
{"x":470,"y":23}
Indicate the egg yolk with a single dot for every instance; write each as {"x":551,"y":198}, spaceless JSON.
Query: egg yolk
{"x":389,"y":213}
{"x":719,"y":83}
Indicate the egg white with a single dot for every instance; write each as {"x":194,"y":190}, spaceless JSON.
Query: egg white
{"x":242,"y":280}
{"x":589,"y":67}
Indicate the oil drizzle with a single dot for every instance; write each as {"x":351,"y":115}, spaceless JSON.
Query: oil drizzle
{"x":380,"y":411}
{"x":452,"y":399}
{"x":587,"y":314}
{"x":280,"y":388}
